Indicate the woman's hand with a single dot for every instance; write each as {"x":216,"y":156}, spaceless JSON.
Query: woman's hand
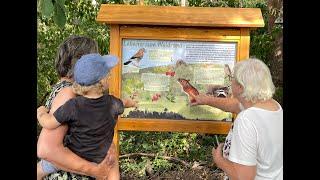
{"x":41,"y":110}
{"x":109,"y":161}
{"x":217,"y":154}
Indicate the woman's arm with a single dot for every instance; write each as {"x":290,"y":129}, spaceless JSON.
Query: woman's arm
{"x":45,"y":119}
{"x":234,"y":171}
{"x":50,"y":144}
{"x":225,"y":104}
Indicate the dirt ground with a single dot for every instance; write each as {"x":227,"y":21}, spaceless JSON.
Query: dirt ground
{"x":205,"y":172}
{"x":202,"y":174}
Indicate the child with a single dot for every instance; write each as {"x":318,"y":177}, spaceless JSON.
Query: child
{"x":92,"y":115}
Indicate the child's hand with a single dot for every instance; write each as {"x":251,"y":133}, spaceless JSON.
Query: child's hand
{"x":41,"y":110}
{"x":130,"y":103}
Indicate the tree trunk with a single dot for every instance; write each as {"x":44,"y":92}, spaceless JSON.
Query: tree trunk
{"x":276,"y":59}
{"x":272,"y":6}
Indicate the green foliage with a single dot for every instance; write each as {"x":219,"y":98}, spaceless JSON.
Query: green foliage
{"x":224,"y":3}
{"x":160,"y":164}
{"x":206,"y":3}
{"x":163,"y":2}
{"x":47,"y":8}
{"x":59,"y":16}
{"x":189,"y":147}
{"x":263,"y":44}
{"x":80,"y":20}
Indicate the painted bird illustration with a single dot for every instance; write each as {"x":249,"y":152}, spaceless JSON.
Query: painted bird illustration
{"x":188,"y":89}
{"x":135,"y":59}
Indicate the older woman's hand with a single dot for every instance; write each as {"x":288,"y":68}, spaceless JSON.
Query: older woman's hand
{"x":217,"y":154}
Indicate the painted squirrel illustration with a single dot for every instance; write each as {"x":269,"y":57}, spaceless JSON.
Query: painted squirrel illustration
{"x":188,"y":89}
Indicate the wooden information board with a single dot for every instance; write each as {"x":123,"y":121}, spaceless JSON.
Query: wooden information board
{"x":166,"y":53}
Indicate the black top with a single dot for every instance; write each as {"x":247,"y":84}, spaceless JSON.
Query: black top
{"x":91,"y":125}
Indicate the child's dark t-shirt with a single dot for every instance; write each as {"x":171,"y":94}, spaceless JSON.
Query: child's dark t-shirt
{"x":91,"y":125}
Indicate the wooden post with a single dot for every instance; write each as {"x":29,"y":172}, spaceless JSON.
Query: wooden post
{"x":114,"y":80}
{"x":244,"y":43}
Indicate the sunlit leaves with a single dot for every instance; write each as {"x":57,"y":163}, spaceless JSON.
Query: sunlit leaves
{"x":46,"y":8}
{"x":59,"y":15}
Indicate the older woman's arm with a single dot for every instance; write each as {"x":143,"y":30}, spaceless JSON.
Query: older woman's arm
{"x":237,"y":171}
{"x":234,"y":171}
{"x":50,"y":145}
{"x":225,"y":104}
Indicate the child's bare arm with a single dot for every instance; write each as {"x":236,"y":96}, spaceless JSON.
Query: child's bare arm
{"x":127,"y":103}
{"x":45,"y":119}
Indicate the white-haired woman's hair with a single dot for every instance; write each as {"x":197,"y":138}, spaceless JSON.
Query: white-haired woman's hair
{"x":255,"y":78}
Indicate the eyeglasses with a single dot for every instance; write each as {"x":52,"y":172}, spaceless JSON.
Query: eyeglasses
{"x":231,"y":77}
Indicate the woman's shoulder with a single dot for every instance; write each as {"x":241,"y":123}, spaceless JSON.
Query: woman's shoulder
{"x":64,"y":86}
{"x":67,"y":91}
{"x":246,"y":116}
{"x":64,"y":95}
{"x":268,"y":106}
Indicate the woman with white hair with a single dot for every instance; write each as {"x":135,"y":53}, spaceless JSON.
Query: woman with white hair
{"x":254,"y":146}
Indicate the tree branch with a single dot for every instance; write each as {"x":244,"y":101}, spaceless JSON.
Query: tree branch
{"x":155,"y":155}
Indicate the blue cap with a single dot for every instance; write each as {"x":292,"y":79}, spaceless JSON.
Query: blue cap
{"x":91,"y":68}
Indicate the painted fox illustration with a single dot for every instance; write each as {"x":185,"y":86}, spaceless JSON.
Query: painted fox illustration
{"x":188,"y":89}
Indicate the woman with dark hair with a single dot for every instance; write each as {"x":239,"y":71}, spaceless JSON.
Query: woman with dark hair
{"x":51,"y":142}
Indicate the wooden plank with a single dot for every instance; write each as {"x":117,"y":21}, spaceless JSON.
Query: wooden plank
{"x":244,"y":43}
{"x":210,"y":127}
{"x":114,"y":79}
{"x":180,"y":16}
{"x":178,"y":33}
{"x":115,"y":50}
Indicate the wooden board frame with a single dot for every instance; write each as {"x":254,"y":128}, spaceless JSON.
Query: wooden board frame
{"x":119,"y":32}
{"x":180,"y":16}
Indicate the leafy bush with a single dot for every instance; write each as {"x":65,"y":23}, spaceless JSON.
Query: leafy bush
{"x":189,"y":147}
